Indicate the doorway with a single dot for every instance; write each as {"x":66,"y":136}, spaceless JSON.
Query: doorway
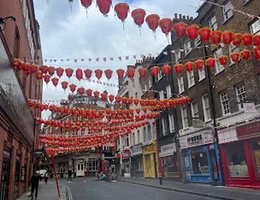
{"x":80,"y":168}
{"x":4,"y":189}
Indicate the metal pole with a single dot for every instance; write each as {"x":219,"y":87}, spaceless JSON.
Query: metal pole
{"x":213,"y":113}
{"x":56,"y":179}
{"x":158,"y":157}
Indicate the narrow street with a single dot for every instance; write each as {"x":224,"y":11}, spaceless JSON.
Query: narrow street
{"x":97,"y":190}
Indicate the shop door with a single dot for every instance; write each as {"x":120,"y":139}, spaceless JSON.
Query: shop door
{"x":80,"y":169}
{"x":5,"y":175}
{"x":214,"y":164}
{"x":187,"y":166}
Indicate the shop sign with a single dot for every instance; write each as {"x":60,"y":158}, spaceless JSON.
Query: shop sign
{"x":249,"y":107}
{"x":136,"y":150}
{"x":149,"y":149}
{"x":126,"y":154}
{"x":168,"y":150}
{"x":197,"y":139}
{"x":248,"y":130}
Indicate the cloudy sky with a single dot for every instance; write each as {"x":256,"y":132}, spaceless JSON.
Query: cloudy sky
{"x":67,"y":33}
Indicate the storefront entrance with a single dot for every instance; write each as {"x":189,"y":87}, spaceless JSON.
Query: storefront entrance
{"x":150,"y":161}
{"x":5,"y":174}
{"x":80,"y":168}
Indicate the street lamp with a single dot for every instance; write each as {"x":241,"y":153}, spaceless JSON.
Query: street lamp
{"x":4,"y":19}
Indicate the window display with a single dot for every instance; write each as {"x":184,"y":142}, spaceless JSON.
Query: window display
{"x":255,"y":149}
{"x":170,"y":163}
{"x":199,"y":162}
{"x":237,"y":160}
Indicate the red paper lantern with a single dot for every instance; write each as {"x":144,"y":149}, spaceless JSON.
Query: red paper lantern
{"x":166,"y":25}
{"x":64,"y":85}
{"x":199,"y":64}
{"x":104,"y":6}
{"x":223,"y":60}
{"x":33,"y":68}
{"x":227,"y":37}
{"x":69,"y":72}
{"x":155,"y":70}
{"x":111,"y":98}
{"x":88,"y":73}
{"x":138,"y":16}
{"x":44,"y":69}
{"x":17,"y":64}
{"x":204,"y":34}
{"x":108,"y":73}
{"x":98,"y":73}
{"x":210,"y":62}
{"x":117,"y":99}
{"x":122,"y":10}
{"x":247,"y":39}
{"x":178,"y":68}
{"x":25,"y":67}
{"x":142,"y":72}
{"x":180,"y":29}
{"x":104,"y":96}
{"x":96,"y":94}
{"x":152,"y":21}
{"x":72,"y":87}
{"x":235,"y":57}
{"x":81,"y":90}
{"x":86,"y":3}
{"x":256,"y":52}
{"x":89,"y":92}
{"x":38,"y":75}
{"x":192,"y":31}
{"x":237,"y":38}
{"x":59,"y":71}
{"x":256,"y":40}
{"x":166,"y":69}
{"x":120,"y":73}
{"x":245,"y":54}
{"x":51,"y":70}
{"x":79,"y":74}
{"x":55,"y":81}
{"x":46,"y":78}
{"x":130,"y":73}
{"x":189,"y":66}
{"x":216,"y":36}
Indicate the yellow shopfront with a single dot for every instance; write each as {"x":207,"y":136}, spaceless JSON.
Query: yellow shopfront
{"x":150,"y":161}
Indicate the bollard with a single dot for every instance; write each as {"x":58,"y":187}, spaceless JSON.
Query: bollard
{"x":160,"y":178}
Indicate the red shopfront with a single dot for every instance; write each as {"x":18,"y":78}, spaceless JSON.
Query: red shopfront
{"x":240,"y":153}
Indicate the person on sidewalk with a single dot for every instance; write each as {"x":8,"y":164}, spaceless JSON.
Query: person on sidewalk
{"x":69,"y":175}
{"x":46,"y":177}
{"x":35,"y":184}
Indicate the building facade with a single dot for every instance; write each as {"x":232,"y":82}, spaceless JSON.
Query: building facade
{"x":18,"y":140}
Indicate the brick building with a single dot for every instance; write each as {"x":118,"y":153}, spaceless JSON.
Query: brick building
{"x":224,"y":102}
{"x":19,"y":133}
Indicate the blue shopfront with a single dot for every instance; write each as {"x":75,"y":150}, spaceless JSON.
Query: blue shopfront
{"x":200,"y":157}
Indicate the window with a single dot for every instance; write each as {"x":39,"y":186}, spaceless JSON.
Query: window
{"x":168,"y":91}
{"x":145,"y":88}
{"x":163,"y":121}
{"x":206,"y":108}
{"x":180,"y":84}
{"x":149,"y":84}
{"x":202,"y":74}
{"x":197,"y":41}
{"x":194,"y":109}
{"x":213,"y":23}
{"x":138,"y":137}
{"x":149,"y":133}
{"x":127,"y":141}
{"x":187,"y":47}
{"x":227,"y":10}
{"x":133,"y":138}
{"x":255,"y":27}
{"x":236,"y":160}
{"x":224,"y":103}
{"x":177,"y":56}
{"x":170,"y":164}
{"x":145,"y":134}
{"x":184,"y":116}
{"x":171,"y":123}
{"x":161,"y":95}
{"x":241,"y":94}
{"x":191,"y":80}
{"x":154,"y":130}
{"x":218,"y":67}
{"x":199,"y":162}
{"x":160,"y":75}
{"x":232,"y":48}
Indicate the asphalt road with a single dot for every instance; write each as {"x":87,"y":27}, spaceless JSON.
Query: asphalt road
{"x":84,"y":189}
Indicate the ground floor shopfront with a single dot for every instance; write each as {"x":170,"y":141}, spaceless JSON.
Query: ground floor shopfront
{"x":150,"y":160}
{"x":137,"y":169}
{"x":200,"y":157}
{"x":240,"y":153}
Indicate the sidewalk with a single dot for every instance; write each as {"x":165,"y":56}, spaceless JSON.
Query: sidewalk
{"x":48,"y":192}
{"x":219,"y":192}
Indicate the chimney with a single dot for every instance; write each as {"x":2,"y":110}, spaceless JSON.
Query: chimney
{"x":180,"y":16}
{"x":175,"y":15}
{"x":191,"y":19}
{"x":188,"y":17}
{"x":184,"y":17}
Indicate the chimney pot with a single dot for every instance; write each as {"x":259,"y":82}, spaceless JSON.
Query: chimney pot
{"x":188,"y":17}
{"x":175,"y":15}
{"x":180,"y":16}
{"x":184,"y":17}
{"x":191,"y":18}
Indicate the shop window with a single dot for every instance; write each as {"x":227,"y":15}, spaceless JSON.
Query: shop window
{"x":236,"y":160}
{"x":255,"y":149}
{"x":170,"y":163}
{"x":199,"y":161}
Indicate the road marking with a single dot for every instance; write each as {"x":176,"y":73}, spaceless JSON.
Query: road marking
{"x":69,"y":192}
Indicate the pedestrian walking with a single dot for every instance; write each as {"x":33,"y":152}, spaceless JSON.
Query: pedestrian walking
{"x":35,"y":184}
{"x":46,"y":177}
{"x":69,"y":175}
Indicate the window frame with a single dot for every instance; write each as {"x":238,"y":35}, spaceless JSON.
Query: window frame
{"x":240,"y":104}
{"x":213,"y":24}
{"x":191,"y":78}
{"x":169,"y":91}
{"x":251,"y":29}
{"x":223,"y":101}
{"x":187,"y":50}
{"x":208,"y":118}
{"x":202,"y":77}
{"x":193,"y":114}
{"x":218,"y":67}
{"x":171,"y":123}
{"x":180,"y":81}
{"x":227,"y":7}
{"x":184,"y":118}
